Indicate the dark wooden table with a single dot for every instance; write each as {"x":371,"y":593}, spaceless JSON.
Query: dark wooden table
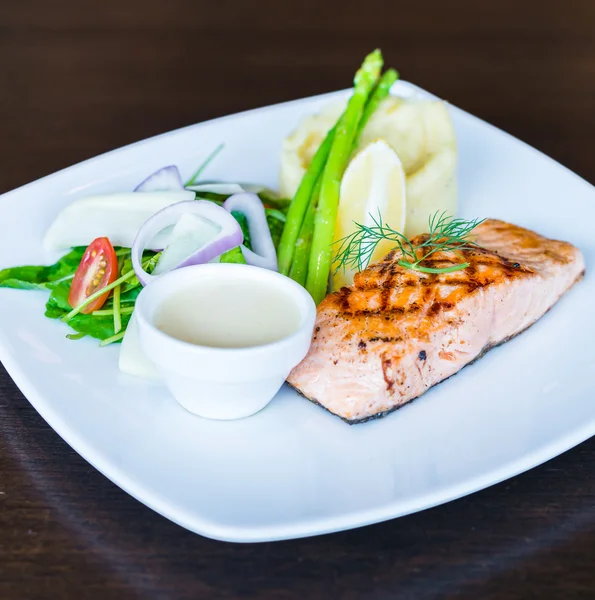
{"x":79,"y":78}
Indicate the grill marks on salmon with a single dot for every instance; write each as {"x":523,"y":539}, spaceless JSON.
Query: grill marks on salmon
{"x":397,"y":332}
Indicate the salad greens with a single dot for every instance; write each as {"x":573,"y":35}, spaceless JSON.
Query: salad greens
{"x":57,"y":279}
{"x":100,"y":326}
{"x":109,"y":323}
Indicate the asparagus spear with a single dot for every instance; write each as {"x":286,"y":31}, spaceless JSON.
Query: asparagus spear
{"x":299,"y":265}
{"x":303,"y":243}
{"x":342,"y":144}
{"x":301,"y":200}
{"x":378,"y":95}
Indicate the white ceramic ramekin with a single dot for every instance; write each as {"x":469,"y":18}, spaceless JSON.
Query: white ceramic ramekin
{"x":222,"y":383}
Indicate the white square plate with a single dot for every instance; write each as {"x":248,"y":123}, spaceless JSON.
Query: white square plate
{"x":295,"y":470}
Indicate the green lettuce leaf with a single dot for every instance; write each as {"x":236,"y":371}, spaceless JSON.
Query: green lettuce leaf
{"x":42,"y":277}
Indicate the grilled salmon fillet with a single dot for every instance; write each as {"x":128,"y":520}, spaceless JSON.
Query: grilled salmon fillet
{"x":397,"y":332}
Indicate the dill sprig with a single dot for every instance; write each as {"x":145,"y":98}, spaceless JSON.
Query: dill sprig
{"x":446,"y":233}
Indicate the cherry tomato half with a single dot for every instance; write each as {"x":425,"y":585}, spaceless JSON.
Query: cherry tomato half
{"x":98,"y":268}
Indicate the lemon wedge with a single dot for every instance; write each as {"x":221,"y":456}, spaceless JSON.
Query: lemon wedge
{"x":373,"y":185}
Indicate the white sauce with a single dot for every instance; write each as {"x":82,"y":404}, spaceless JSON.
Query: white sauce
{"x":228,"y":314}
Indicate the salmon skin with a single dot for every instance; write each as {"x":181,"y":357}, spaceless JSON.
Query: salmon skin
{"x":397,"y":332}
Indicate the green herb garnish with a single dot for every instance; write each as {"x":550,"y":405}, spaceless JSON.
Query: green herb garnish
{"x":117,"y":309}
{"x":446,"y":233}
{"x":198,"y":172}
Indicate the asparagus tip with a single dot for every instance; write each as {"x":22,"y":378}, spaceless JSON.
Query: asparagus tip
{"x":370,"y":69}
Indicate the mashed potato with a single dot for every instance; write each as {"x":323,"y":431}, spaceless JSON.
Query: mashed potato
{"x":420,"y":132}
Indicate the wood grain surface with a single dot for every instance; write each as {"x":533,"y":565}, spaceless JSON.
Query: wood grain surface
{"x":78,"y":78}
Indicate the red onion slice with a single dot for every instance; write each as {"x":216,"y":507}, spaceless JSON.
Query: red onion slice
{"x":229,"y":236}
{"x":263,"y":253}
{"x":166,"y":179}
